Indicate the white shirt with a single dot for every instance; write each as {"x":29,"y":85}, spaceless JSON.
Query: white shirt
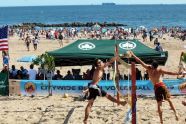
{"x":32,"y":74}
{"x":35,"y":41}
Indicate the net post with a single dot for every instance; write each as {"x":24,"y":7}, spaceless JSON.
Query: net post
{"x":117,"y":83}
{"x":133,"y":92}
{"x":117,"y":74}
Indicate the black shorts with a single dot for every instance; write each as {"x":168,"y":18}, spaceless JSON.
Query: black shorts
{"x":162,"y":93}
{"x":94,"y":92}
{"x":27,"y":44}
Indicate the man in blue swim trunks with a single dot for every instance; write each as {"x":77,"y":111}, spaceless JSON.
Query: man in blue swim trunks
{"x":94,"y":90}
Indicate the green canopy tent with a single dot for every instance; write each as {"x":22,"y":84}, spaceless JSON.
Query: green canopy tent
{"x":4,"y":86}
{"x":84,"y":52}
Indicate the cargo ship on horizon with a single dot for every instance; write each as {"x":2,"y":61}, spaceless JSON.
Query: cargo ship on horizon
{"x":108,"y":4}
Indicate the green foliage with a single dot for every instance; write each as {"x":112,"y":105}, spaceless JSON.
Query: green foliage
{"x":45,"y":61}
{"x":183,"y":57}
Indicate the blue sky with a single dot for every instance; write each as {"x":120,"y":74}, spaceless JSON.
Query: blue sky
{"x":83,"y":2}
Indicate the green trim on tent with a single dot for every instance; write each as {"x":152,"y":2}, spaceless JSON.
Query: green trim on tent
{"x":84,"y":52}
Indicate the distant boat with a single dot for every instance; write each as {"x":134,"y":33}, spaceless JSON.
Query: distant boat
{"x":108,"y":4}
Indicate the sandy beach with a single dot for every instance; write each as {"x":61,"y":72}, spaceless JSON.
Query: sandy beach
{"x":59,"y":110}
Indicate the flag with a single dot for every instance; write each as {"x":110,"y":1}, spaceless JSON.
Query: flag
{"x":4,"y":38}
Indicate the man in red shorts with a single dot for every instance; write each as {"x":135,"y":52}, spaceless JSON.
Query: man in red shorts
{"x":161,"y":91}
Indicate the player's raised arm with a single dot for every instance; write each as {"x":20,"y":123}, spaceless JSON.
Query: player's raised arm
{"x":170,"y":73}
{"x":112,"y":60}
{"x":139,"y":60}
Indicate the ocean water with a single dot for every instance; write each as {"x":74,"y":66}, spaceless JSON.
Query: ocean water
{"x":131,"y":15}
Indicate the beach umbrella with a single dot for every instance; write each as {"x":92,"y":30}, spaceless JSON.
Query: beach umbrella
{"x":27,"y":58}
{"x":37,"y":28}
{"x":104,"y":30}
{"x":142,"y":27}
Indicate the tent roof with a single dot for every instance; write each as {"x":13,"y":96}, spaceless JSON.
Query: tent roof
{"x":84,"y":52}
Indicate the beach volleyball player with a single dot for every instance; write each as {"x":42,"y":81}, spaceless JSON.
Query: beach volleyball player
{"x":161,"y":91}
{"x":94,"y":89}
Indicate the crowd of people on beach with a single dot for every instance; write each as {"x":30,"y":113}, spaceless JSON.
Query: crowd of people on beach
{"x":74,"y":74}
{"x":114,"y":33}
{"x":100,"y":32}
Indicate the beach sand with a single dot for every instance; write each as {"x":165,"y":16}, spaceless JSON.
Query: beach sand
{"x":57,"y":110}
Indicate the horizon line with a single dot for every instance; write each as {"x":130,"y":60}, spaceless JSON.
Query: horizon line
{"x":95,"y":5}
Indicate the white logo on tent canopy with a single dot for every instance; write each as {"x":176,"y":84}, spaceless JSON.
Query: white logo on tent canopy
{"x":86,"y":46}
{"x":127,"y":45}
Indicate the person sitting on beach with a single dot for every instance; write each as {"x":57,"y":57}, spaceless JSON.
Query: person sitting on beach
{"x":76,"y":74}
{"x":19,"y":75}
{"x":5,"y":69}
{"x":13,"y":72}
{"x":32,"y":73}
{"x":94,"y":90}
{"x":161,"y":91}
{"x":58,"y":76}
{"x":69,"y":76}
{"x":24,"y":72}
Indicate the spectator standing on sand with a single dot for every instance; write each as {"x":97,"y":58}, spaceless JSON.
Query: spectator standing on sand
{"x":27,"y":42}
{"x":35,"y":43}
{"x":60,"y":39}
{"x":158,"y":47}
{"x":5,"y":58}
{"x":144,"y":35}
{"x":151,"y":35}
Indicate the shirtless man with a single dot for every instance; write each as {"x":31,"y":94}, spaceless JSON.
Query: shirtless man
{"x":94,"y":90}
{"x":161,"y":91}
